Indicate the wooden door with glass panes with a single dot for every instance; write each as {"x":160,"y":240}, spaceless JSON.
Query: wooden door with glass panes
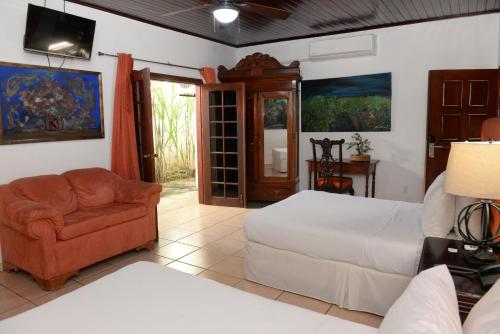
{"x":223,"y":144}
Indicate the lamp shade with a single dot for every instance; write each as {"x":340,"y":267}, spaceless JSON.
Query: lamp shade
{"x":474,"y":170}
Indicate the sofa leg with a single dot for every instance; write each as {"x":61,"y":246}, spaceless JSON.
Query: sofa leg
{"x":54,"y":283}
{"x":8,"y":267}
{"x":150,"y":245}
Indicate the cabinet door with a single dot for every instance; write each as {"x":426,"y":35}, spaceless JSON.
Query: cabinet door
{"x":224,"y":144}
{"x":276,"y":133}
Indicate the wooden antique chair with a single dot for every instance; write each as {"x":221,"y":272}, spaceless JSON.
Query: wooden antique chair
{"x":328,"y":173}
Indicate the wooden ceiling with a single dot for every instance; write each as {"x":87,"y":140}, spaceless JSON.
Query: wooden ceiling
{"x":309,"y":18}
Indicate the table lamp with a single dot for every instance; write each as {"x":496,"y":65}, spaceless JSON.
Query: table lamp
{"x":473,"y":170}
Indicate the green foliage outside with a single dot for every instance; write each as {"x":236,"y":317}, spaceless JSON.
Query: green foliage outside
{"x":346,"y":114}
{"x":174,"y":130}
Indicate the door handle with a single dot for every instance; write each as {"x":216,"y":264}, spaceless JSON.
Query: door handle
{"x":432,"y":147}
{"x":153,"y":155}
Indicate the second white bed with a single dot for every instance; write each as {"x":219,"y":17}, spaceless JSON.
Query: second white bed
{"x":361,"y":252}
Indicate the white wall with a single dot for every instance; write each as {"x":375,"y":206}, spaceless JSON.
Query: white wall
{"x":409,"y":52}
{"x":113,"y":34}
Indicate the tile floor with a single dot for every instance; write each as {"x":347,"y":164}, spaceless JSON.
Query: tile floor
{"x":197,"y":239}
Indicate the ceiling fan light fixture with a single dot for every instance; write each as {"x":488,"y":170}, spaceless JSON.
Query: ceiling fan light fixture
{"x":226,"y":13}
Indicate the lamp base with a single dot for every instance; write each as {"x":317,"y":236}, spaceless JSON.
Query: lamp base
{"x":480,"y":257}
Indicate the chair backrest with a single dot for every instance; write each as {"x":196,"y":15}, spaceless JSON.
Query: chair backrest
{"x":328,"y":168}
{"x":491,"y":129}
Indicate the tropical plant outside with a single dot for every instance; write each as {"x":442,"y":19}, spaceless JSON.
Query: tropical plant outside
{"x":174,"y":130}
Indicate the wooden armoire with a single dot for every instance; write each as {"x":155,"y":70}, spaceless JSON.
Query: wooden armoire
{"x":271,"y":121}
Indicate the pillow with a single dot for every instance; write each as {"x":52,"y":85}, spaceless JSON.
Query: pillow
{"x":484,"y":317}
{"x":438,"y":215}
{"x":428,"y":306}
{"x":475,"y":219}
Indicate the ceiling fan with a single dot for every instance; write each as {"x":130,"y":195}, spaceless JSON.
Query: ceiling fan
{"x":226,"y":11}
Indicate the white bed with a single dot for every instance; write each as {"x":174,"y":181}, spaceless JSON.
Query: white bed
{"x":355,"y":252}
{"x":280,"y":159}
{"x":148,"y":298}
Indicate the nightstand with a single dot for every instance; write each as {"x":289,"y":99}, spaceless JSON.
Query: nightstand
{"x":434,"y":252}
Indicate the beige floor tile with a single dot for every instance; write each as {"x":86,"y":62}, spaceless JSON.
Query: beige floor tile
{"x":238,"y":235}
{"x":364,"y":318}
{"x":221,"y":278}
{"x":10,"y":300}
{"x":236,"y":221}
{"x":149,"y":257}
{"x":175,"y":233}
{"x":199,"y":239}
{"x":163,"y":242}
{"x":220,"y":230}
{"x":175,"y":250}
{"x":204,"y":258}
{"x":240,"y":253}
{"x":227,"y":245}
{"x":95,"y":277}
{"x":189,"y":269}
{"x":93,"y":270}
{"x":56,"y":294}
{"x":232,"y":266}
{"x":258,"y":289}
{"x":16,"y":310}
{"x":304,"y":302}
{"x":115,"y":260}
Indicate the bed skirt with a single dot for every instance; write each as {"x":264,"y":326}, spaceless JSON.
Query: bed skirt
{"x":344,"y":284}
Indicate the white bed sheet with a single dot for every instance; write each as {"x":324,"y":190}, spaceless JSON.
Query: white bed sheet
{"x":378,"y":234}
{"x":148,"y":298}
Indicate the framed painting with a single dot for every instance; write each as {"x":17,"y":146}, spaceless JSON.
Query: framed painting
{"x":39,"y":103}
{"x":350,"y":104}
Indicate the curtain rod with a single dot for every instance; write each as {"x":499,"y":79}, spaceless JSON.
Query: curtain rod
{"x":151,"y":61}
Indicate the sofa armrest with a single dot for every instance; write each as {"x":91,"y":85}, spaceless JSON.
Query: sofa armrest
{"x":30,"y":218}
{"x":137,"y":192}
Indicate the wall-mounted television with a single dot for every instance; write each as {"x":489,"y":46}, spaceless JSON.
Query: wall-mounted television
{"x":53,"y":32}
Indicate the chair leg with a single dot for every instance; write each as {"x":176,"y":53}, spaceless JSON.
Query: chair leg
{"x":8,"y":267}
{"x":150,"y":245}
{"x":54,"y":283}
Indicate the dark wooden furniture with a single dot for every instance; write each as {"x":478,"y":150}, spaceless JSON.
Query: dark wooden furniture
{"x":459,"y":102}
{"x":271,"y":117}
{"x":352,"y":167}
{"x":223,"y":136}
{"x":329,"y":176}
{"x":435,"y":252}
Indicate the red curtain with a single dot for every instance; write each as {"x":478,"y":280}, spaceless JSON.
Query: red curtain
{"x":124,"y":160}
{"x":208,"y":75}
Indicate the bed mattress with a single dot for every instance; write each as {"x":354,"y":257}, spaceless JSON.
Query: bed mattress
{"x":148,"y":298}
{"x":378,"y":234}
{"x":280,"y":162}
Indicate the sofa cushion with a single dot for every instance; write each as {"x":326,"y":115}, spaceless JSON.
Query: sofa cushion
{"x":51,"y":190}
{"x":94,"y":186}
{"x":91,"y":220}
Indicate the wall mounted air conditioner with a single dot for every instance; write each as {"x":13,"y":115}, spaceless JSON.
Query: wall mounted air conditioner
{"x":344,"y":47}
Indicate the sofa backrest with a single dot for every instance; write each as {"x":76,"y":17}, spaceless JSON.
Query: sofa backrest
{"x":52,"y":190}
{"x":93,"y":186}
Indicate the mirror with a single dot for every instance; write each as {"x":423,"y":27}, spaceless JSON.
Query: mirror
{"x":275,"y":136}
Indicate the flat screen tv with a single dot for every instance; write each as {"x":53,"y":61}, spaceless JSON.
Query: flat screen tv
{"x":53,"y":32}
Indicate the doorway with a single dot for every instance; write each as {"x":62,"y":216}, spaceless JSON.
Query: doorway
{"x":174,"y":106}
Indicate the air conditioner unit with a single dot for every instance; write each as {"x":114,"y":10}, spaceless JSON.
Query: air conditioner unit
{"x":344,"y":47}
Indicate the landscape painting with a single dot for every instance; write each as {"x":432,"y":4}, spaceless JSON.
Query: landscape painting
{"x":350,"y":104}
{"x":49,"y":104}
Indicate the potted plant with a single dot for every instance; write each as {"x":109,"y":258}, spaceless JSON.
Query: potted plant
{"x":362,"y":147}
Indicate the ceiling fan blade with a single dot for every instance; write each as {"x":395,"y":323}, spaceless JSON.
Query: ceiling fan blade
{"x":264,"y":10}
{"x":205,"y":5}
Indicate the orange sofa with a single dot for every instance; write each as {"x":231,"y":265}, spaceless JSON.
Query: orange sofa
{"x":53,"y":225}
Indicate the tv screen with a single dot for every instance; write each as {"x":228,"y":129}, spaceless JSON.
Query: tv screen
{"x":53,"y":32}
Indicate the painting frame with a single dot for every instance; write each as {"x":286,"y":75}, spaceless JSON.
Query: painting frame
{"x":18,"y":136}
{"x":360,"y":103}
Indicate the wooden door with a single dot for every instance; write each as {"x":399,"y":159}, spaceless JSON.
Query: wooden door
{"x":459,"y":101}
{"x":143,"y":114}
{"x":223,"y":136}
